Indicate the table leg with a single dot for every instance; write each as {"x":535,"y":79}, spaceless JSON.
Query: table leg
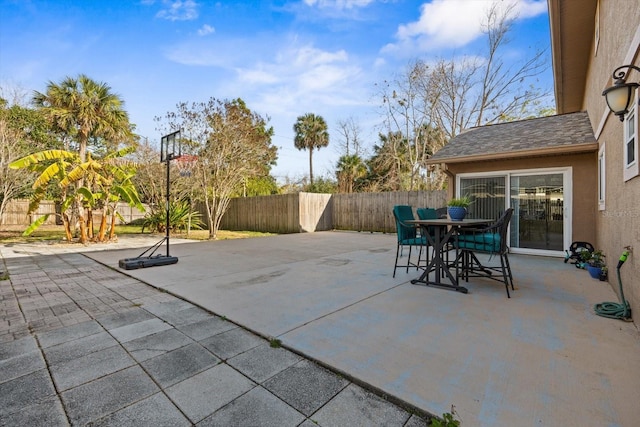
{"x":437,"y":264}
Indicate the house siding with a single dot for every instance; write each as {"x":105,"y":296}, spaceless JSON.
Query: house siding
{"x":618,"y":225}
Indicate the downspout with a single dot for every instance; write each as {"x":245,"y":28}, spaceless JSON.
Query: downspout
{"x":451,"y":181}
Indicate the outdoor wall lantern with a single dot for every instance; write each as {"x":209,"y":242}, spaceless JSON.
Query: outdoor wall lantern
{"x":619,"y":95}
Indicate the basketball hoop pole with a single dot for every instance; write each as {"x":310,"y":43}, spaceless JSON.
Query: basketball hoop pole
{"x":167,"y":153}
{"x":166,"y":206}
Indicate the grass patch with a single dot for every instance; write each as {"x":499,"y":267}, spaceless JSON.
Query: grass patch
{"x":55,"y":233}
{"x":222,"y":234}
{"x":275,"y":343}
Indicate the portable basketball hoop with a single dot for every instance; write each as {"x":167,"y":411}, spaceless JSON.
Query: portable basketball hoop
{"x":170,"y":149}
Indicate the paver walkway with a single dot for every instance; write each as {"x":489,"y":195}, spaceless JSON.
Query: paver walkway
{"x":83,"y":344}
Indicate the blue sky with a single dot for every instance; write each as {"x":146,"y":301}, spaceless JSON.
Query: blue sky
{"x":283,"y":58}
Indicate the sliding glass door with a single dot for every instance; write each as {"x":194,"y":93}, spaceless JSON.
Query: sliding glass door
{"x":539,"y":199}
{"x":538,"y":203}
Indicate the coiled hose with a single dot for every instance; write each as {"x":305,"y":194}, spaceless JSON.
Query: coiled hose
{"x":616,"y":310}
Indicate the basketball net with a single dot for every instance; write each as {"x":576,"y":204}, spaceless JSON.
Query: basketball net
{"x":185,"y":164}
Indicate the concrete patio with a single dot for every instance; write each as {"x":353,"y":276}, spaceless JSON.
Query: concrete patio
{"x":539,"y":358}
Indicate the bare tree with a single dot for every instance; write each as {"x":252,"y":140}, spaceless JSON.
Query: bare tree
{"x":12,"y":182}
{"x":408,"y":120}
{"x":232,"y":144}
{"x":428,"y":105}
{"x":486,"y":90}
{"x":350,"y":142}
{"x":21,"y":131}
{"x":150,"y":175}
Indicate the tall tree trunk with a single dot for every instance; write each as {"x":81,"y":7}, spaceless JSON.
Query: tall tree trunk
{"x":89,"y":223}
{"x":67,"y":227}
{"x":83,"y":230}
{"x":82,"y":151}
{"x":112,"y":229}
{"x":311,"y":165}
{"x":103,"y":226}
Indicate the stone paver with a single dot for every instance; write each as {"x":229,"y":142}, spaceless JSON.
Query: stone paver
{"x":306,"y":386}
{"x":122,"y":353}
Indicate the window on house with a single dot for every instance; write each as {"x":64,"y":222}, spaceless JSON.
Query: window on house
{"x":601,"y":177}
{"x":630,"y":148}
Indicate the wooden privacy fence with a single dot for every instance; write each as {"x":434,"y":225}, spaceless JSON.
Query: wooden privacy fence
{"x":373,"y":211}
{"x":286,"y":213}
{"x":308,"y":212}
{"x":16,"y":213}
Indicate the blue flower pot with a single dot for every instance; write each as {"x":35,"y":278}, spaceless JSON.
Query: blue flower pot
{"x":594,"y":272}
{"x":457,"y":213}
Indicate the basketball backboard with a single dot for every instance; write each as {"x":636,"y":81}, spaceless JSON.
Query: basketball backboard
{"x":170,"y":146}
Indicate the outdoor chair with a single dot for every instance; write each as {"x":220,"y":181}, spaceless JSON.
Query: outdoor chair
{"x":407,"y":236}
{"x":441,"y":213}
{"x":491,"y":240}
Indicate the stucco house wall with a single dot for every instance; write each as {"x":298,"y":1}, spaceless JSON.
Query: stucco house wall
{"x":590,"y":39}
{"x":618,"y":221}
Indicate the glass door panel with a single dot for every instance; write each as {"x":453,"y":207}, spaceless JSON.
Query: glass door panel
{"x":538,"y":217}
{"x":488,"y":195}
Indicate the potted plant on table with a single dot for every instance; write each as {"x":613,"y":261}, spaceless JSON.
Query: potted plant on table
{"x":457,"y":208}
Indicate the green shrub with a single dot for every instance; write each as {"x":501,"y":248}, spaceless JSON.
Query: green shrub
{"x":179,"y":216}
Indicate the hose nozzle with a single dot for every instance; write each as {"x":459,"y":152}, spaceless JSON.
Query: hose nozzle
{"x":623,"y":258}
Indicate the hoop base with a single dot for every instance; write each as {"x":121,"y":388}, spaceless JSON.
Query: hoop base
{"x":144,"y":262}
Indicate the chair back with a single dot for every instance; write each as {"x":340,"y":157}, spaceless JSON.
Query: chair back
{"x":404,"y":231}
{"x":427,"y":213}
{"x":442,"y":212}
{"x":501,"y":226}
{"x":491,"y":239}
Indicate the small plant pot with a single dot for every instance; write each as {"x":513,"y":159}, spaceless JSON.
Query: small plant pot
{"x":594,"y":272}
{"x":457,"y":213}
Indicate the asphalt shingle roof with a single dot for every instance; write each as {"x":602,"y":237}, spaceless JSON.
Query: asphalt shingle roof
{"x":518,"y":138}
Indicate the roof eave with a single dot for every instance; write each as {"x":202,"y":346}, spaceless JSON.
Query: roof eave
{"x":572,"y":25}
{"x":562,"y":150}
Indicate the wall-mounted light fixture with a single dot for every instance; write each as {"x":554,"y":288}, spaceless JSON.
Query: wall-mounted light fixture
{"x":618,"y":96}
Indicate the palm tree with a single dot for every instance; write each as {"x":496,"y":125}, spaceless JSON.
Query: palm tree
{"x":80,"y":109}
{"x":349,"y":169}
{"x":311,"y":132}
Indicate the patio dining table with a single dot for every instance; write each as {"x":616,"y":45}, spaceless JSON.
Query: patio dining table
{"x":443,"y":230}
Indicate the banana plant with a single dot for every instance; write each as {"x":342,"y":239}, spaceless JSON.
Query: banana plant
{"x":108,"y":180}
{"x":52,"y":166}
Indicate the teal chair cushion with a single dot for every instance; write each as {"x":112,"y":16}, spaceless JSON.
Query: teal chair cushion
{"x":415,"y":241}
{"x":486,"y":242}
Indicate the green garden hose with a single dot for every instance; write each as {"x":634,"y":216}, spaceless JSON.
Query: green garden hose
{"x":616,"y":310}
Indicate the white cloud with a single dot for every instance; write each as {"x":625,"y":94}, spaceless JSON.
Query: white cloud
{"x":310,"y":56}
{"x":454,"y":23}
{"x":257,"y":76}
{"x":338,"y":4}
{"x":178,"y":10}
{"x":206,"y":29}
